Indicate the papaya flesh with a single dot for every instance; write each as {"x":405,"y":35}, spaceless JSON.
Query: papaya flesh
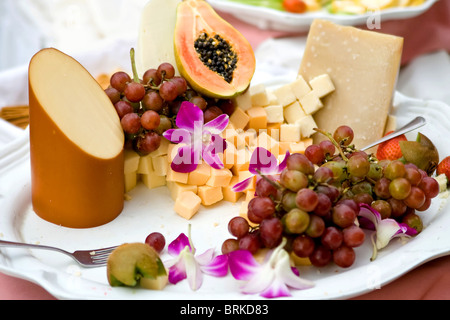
{"x":214,"y":58}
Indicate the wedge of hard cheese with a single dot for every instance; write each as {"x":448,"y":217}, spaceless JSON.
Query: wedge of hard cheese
{"x":76,"y":144}
{"x":363,"y":66}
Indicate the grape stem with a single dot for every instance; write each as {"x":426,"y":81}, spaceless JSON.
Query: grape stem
{"x":133,"y":66}
{"x":337,"y":145}
{"x":273,"y":183}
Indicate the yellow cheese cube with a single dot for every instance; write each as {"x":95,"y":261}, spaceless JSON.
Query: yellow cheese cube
{"x":160,"y":165}
{"x":290,"y":132}
{"x":300,"y":87}
{"x":242,"y":175}
{"x":300,"y":147}
{"x":131,"y":161}
{"x":200,"y":175}
{"x":249,"y":195}
{"x":310,"y":103}
{"x":230,"y":133}
{"x":242,"y":160}
{"x":172,"y":150}
{"x":145,"y":165}
{"x":210,"y":195}
{"x":274,"y":113}
{"x":267,"y":142}
{"x":162,"y":149}
{"x":273,"y":130}
{"x":243,"y":101}
{"x":250,"y":137}
{"x":177,"y":188}
{"x":322,"y":85}
{"x":175,"y":176}
{"x":259,"y":95}
{"x":229,"y":194}
{"x":219,"y":177}
{"x":293,"y":112}
{"x":285,"y":95}
{"x":130,"y":180}
{"x":257,"y":118}
{"x":239,"y":118}
{"x":284,"y":146}
{"x":307,"y":124}
{"x":152,"y":180}
{"x":187,"y":204}
{"x":228,"y":156}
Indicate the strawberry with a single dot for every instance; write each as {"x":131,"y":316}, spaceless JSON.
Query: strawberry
{"x":390,"y":150}
{"x":444,"y":168}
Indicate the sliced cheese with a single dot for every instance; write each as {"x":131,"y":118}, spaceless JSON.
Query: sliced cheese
{"x":363,"y":66}
{"x":76,"y":144}
{"x":155,"y":43}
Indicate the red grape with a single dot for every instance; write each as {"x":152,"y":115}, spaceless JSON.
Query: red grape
{"x":156,"y":240}
{"x":238,"y":227}
{"x":150,"y":120}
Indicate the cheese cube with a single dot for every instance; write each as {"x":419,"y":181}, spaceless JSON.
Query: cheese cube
{"x":175,"y":176}
{"x":257,"y":118}
{"x":249,"y":195}
{"x":145,"y":165}
{"x":229,"y":194}
{"x":307,"y":124}
{"x":243,"y":101}
{"x":285,"y":95}
{"x":300,"y":147}
{"x":131,"y":161}
{"x":363,"y":66}
{"x":242,"y":160}
{"x":259,"y":95}
{"x":160,"y":165}
{"x":219,"y":177}
{"x":272,"y":98}
{"x":322,"y":85}
{"x":162,"y":149}
{"x":245,"y":174}
{"x":310,"y":103}
{"x":250,"y":137}
{"x":210,"y":195}
{"x":273,"y":130}
{"x":267,"y":142}
{"x":274,"y":113}
{"x":228,"y":156}
{"x":284,"y":146}
{"x":130,"y":181}
{"x":230,"y":133}
{"x":293,"y":112}
{"x":153,"y":180}
{"x":200,"y":174}
{"x":187,"y":204}
{"x":239,"y":118}
{"x":300,"y":87}
{"x":177,"y":188}
{"x":172,"y":150}
{"x":290,"y":132}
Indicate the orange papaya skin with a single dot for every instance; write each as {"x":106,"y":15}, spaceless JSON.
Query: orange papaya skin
{"x":193,"y":18}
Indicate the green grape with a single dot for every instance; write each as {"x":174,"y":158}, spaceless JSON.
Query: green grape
{"x":399,"y":188}
{"x":296,"y":221}
{"x":358,"y":166}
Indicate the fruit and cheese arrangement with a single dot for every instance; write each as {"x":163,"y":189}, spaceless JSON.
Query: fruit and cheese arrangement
{"x":190,"y":120}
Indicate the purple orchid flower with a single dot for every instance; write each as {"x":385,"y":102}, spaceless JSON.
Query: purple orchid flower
{"x":385,"y":229}
{"x":200,"y":141}
{"x":263,"y":162}
{"x":187,"y":265}
{"x":272,"y":279}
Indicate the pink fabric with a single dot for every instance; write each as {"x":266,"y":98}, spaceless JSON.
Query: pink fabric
{"x":422,"y":34}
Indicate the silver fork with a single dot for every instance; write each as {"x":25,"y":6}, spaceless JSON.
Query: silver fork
{"x":86,"y":258}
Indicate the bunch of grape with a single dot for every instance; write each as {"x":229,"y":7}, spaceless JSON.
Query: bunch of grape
{"x":148,"y":107}
{"x":315,"y":201}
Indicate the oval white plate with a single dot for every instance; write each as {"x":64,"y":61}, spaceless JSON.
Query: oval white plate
{"x":266,"y":18}
{"x":150,"y":211}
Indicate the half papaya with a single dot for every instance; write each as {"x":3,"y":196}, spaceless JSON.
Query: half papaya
{"x":215,"y":58}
